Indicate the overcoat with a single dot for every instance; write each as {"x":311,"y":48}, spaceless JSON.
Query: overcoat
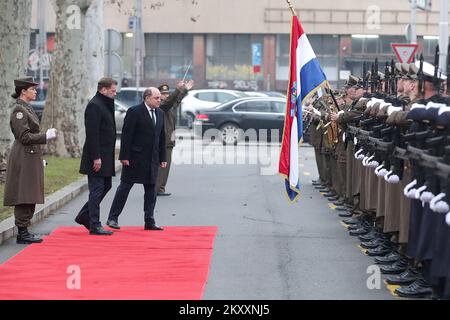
{"x":25,"y":170}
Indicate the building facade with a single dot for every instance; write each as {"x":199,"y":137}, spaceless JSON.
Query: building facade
{"x":215,"y":39}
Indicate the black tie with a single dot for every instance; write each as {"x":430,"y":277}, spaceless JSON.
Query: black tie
{"x":153,"y":116}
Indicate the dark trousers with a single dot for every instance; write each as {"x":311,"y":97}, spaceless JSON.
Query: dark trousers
{"x":121,"y":198}
{"x":90,"y":212}
{"x":23,"y":214}
{"x":163,"y":173}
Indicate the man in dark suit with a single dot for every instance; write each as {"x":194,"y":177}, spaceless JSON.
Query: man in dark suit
{"x":142,"y":152}
{"x":97,"y":160}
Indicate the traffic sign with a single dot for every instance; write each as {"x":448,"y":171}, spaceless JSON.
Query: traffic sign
{"x":256,"y":59}
{"x":405,"y":51}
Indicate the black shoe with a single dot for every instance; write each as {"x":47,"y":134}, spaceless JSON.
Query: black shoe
{"x":388,"y":259}
{"x":329,"y":195}
{"x":99,"y":231}
{"x":163,"y":194}
{"x":397,"y":267}
{"x":321,"y":188}
{"x":333,"y":198}
{"x":372,"y":244}
{"x":346,"y":214}
{"x":339,"y":203}
{"x":374,"y":234}
{"x":358,"y":232}
{"x":112,"y":224}
{"x":152,"y":227}
{"x":381,"y":250}
{"x":418,"y":289}
{"x":83,"y":223}
{"x":340,"y":208}
{"x":351,"y":221}
{"x":405,"y":278}
{"x":24,"y":237}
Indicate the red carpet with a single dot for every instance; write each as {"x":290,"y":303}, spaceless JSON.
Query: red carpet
{"x":131,"y":264}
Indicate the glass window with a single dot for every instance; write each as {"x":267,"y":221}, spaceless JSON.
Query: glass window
{"x":206,"y":96}
{"x":242,"y":107}
{"x":168,"y":56}
{"x":259,"y":106}
{"x":223,"y":97}
{"x":229,"y":56}
{"x":283,"y":50}
{"x":279,"y":107}
{"x":357,"y":45}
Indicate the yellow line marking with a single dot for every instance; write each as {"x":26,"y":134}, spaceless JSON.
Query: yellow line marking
{"x":345,"y":225}
{"x":306,"y":173}
{"x":362,"y":249}
{"x":332,"y":206}
{"x":392,"y":288}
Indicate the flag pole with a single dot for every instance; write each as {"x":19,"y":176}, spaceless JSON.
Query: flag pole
{"x":291,"y":7}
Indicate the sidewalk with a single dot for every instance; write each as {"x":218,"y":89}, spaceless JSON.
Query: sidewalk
{"x":52,"y":202}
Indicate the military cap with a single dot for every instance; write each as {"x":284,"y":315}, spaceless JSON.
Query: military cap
{"x":164,"y":88}
{"x":398,"y":70}
{"x":413,"y":72}
{"x":428,"y":71}
{"x":25,"y":82}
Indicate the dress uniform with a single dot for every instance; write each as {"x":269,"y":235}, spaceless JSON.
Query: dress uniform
{"x":24,"y":186}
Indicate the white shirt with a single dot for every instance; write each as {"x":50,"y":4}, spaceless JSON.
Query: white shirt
{"x":152,"y":115}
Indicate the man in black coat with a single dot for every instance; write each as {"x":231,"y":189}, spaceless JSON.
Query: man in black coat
{"x":142,"y":152}
{"x":97,"y":160}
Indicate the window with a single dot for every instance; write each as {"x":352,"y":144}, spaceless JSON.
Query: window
{"x":279,"y":107}
{"x":229,"y":56}
{"x":255,"y":106}
{"x":168,"y":56}
{"x":206,"y":96}
{"x":224,"y":97}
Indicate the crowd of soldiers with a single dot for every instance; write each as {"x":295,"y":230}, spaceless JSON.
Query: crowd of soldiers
{"x":382,"y":149}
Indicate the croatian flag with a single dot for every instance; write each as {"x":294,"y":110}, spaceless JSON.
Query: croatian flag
{"x":306,"y":77}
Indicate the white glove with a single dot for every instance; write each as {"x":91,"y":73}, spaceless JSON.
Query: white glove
{"x":51,"y":134}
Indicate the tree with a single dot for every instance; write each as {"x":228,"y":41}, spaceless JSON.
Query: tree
{"x":15,"y":20}
{"x":68,"y":93}
{"x":94,"y":46}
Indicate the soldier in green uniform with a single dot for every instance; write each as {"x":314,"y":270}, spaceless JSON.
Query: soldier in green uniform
{"x":24,"y":186}
{"x":170,"y":104}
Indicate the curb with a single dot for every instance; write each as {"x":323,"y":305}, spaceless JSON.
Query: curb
{"x":53,"y":202}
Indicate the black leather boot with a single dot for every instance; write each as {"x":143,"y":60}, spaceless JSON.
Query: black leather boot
{"x":24,"y":237}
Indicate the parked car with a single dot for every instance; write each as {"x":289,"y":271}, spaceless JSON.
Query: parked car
{"x":235,"y":117}
{"x":264,"y":94}
{"x":120,"y":110}
{"x":206,"y":99}
{"x":130,"y":96}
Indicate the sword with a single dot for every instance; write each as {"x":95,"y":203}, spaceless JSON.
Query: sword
{"x":185,"y":74}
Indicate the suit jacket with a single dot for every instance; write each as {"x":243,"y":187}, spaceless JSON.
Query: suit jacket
{"x":100,"y":141}
{"x":24,"y":171}
{"x":143,"y":145}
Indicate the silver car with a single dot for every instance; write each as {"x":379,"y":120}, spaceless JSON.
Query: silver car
{"x":120,"y":110}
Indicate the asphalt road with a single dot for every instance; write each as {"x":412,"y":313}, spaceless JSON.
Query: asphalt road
{"x":266,"y":248}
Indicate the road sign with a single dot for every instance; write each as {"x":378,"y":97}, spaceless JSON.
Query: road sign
{"x":405,"y":51}
{"x":256,"y":50}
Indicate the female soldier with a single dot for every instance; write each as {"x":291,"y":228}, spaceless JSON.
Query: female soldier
{"x":25,"y":171}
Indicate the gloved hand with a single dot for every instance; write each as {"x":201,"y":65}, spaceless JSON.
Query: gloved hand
{"x":51,"y":134}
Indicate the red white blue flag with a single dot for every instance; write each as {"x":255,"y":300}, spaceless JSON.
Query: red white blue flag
{"x":306,"y":77}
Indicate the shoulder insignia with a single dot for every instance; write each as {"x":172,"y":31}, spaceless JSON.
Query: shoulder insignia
{"x":19,"y":115}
